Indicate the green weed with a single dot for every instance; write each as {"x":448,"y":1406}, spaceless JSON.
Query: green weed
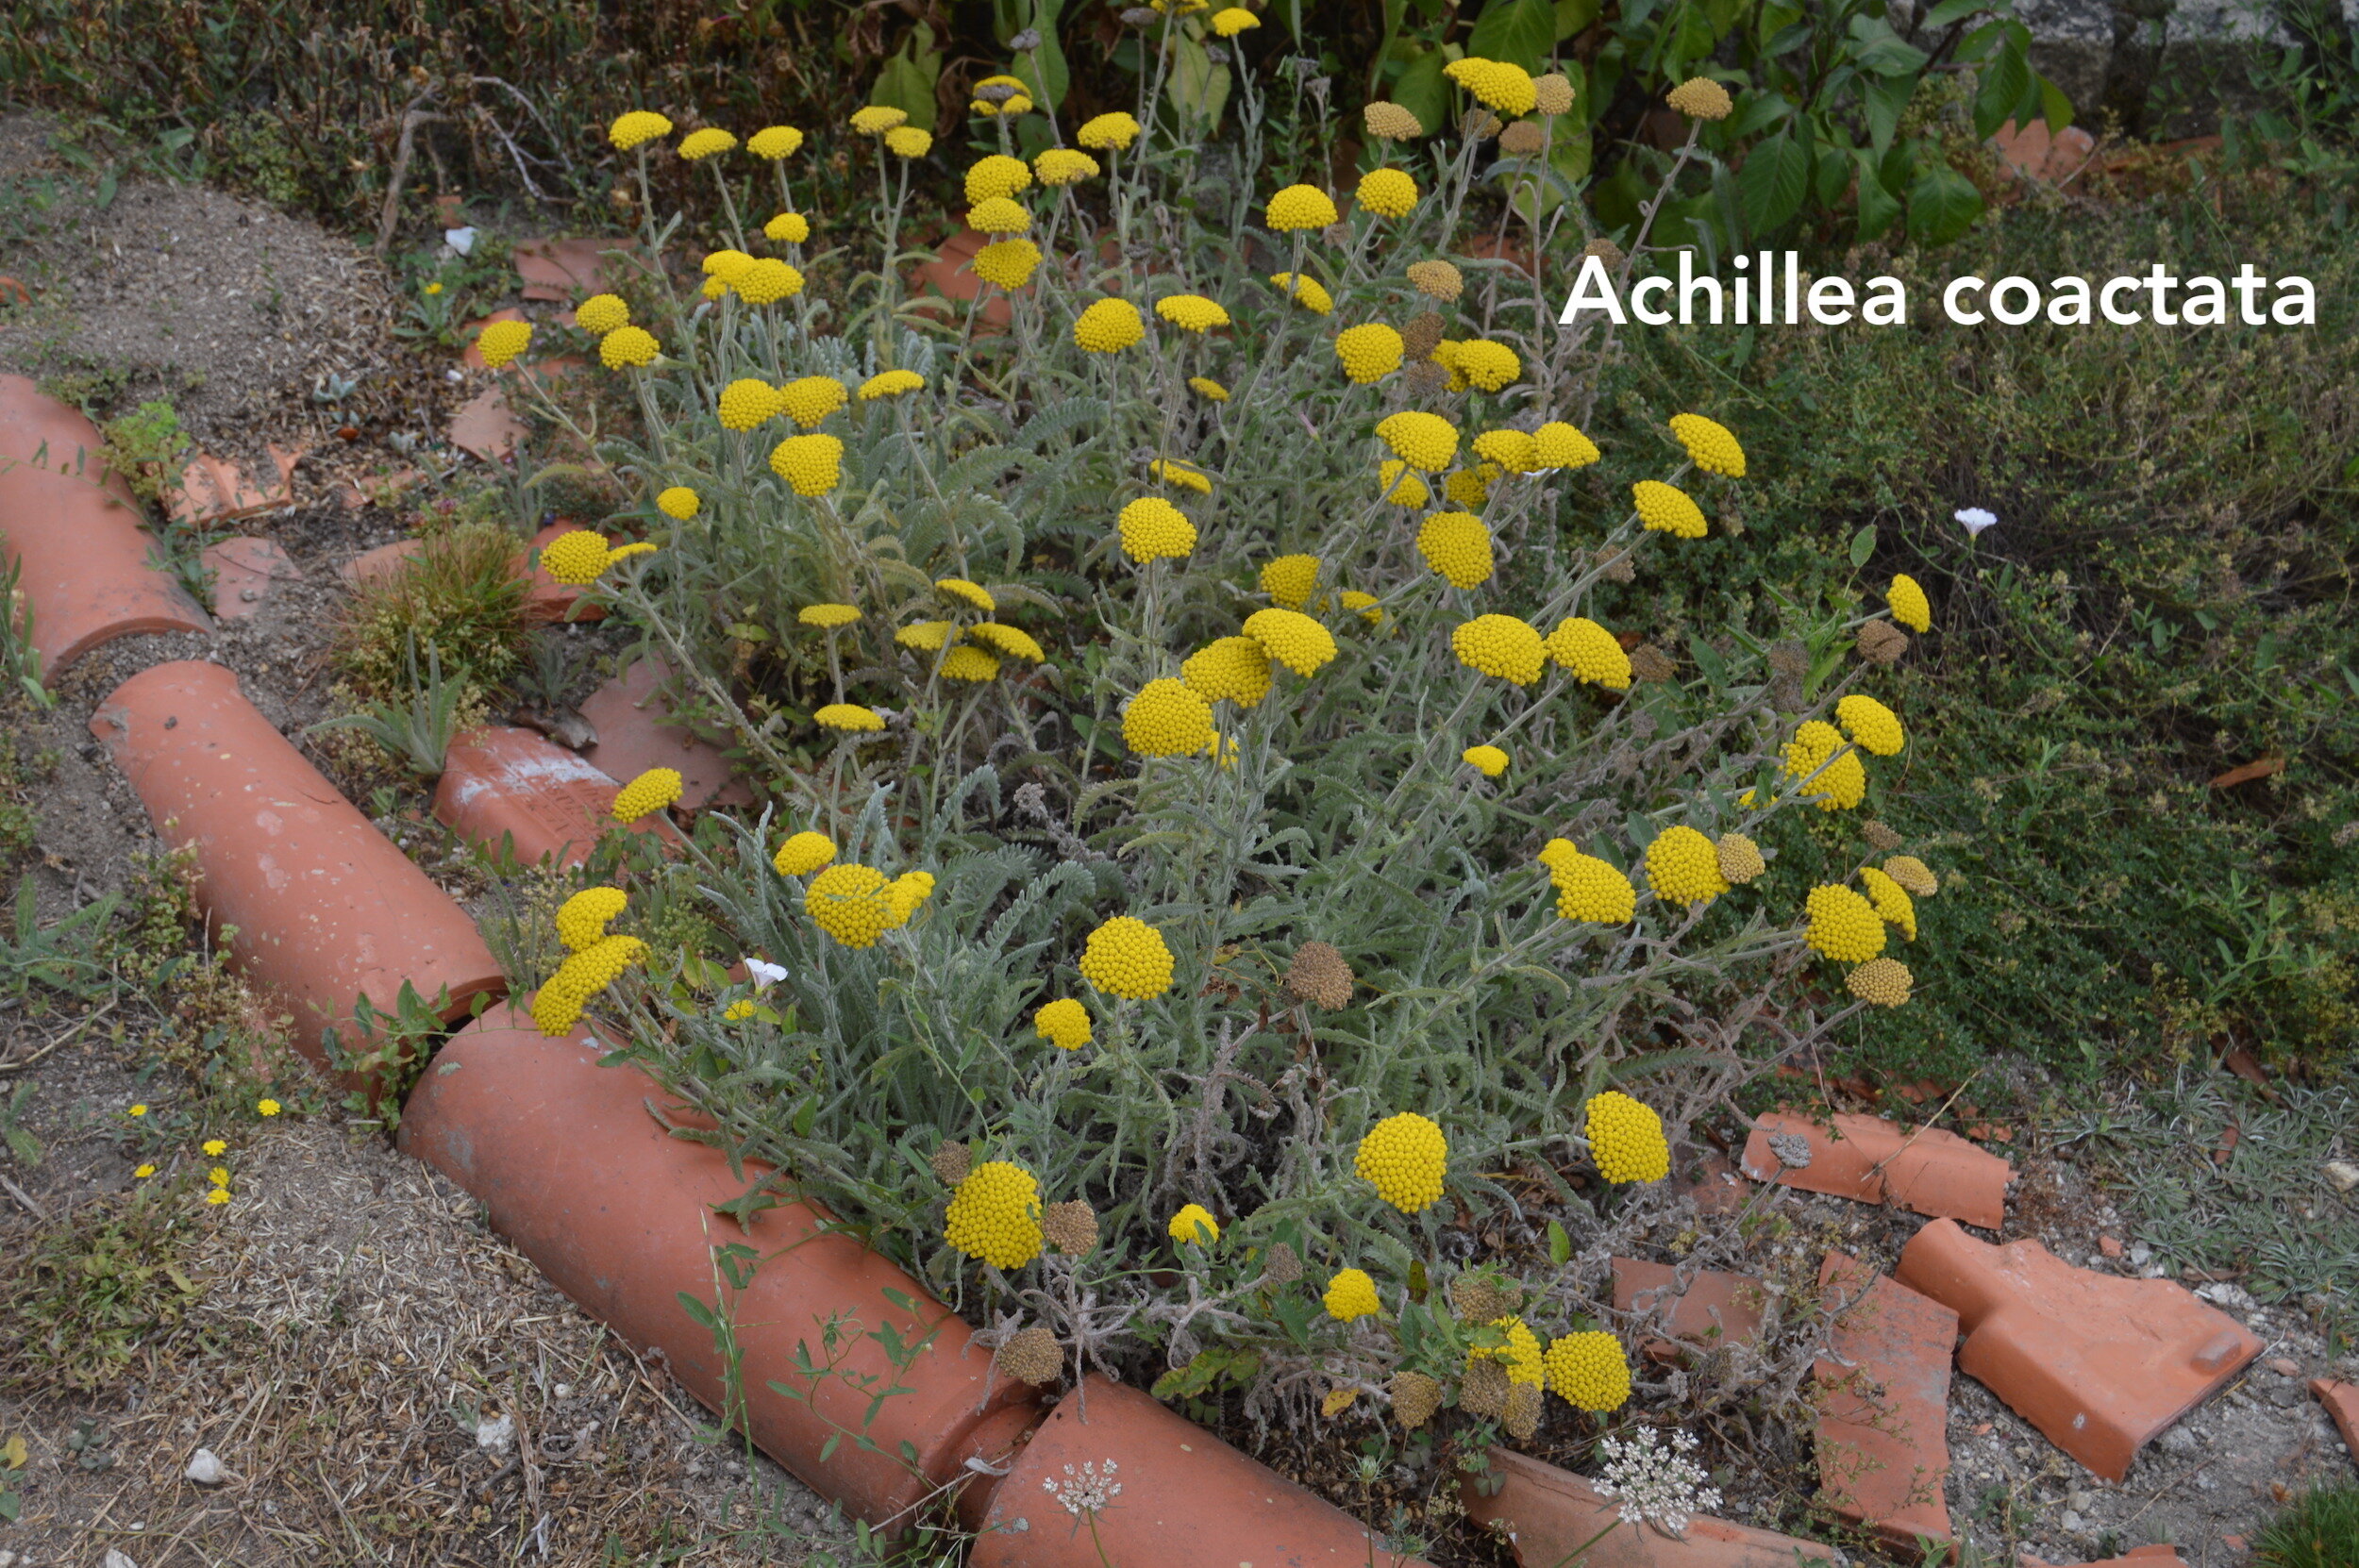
{"x":89,"y":1292}
{"x":2318,"y":1530}
{"x":459,"y":601}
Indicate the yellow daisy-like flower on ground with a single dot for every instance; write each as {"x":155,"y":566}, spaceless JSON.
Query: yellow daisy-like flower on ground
{"x":1307,"y":292}
{"x":1557,"y":444}
{"x":994,"y":1215}
{"x":679,"y":501}
{"x":1836,"y":786}
{"x":581,"y":920}
{"x":1153,"y":529}
{"x":559,"y":1005}
{"x":1489,"y":760}
{"x":1126,"y":957}
{"x":737,"y":1012}
{"x":1909,"y":604}
{"x":1710,"y":445}
{"x":1913,"y":874}
{"x":1486,"y":364}
{"x":812,"y":398}
{"x":627,"y":348}
{"x":1666,"y":509}
{"x":1876,"y":727}
{"x":969,"y":663}
{"x":787,"y":228}
{"x":891,"y":383}
{"x":1008,"y":640}
{"x":1626,"y":1139}
{"x":1194,"y":1226}
{"x":1458,"y":545}
{"x":1299,"y":207}
{"x":967,"y":592}
{"x":1234,"y":20}
{"x":1166,"y":719}
{"x":144,"y":1173}
{"x":218,"y":1175}
{"x":218,"y":1196}
{"x":1740,"y":858}
{"x":1501,"y":646}
{"x":502,"y":341}
{"x":1891,"y":901}
{"x":267,"y":1107}
{"x":1293,"y":638}
{"x":803,"y":853}
{"x":1288,"y":580}
{"x":1184,"y":474}
{"x":1116,"y":131}
{"x":827,"y":616}
{"x":813,"y":465}
{"x":601,"y":314}
{"x":1192,"y":312}
{"x":138,"y":1110}
{"x":747,"y":402}
{"x":650,"y":792}
{"x":707,"y":143}
{"x":775,"y":142}
{"x":1843,"y":925}
{"x":1065,"y":166}
{"x":1351,"y":1294}
{"x":1229,"y":669}
{"x":1515,"y":451}
{"x":909,"y":141}
{"x":1006,"y":263}
{"x":1521,"y":1353}
{"x":849,"y":717}
{"x":1683,"y":867}
{"x":999,"y":215}
{"x":1881,"y":982}
{"x":639,"y":125}
{"x":1107,"y":326}
{"x":1064,"y":1024}
{"x":1369,"y":352}
{"x":575,"y":558}
{"x":1497,"y":84}
{"x":1205,"y":387}
{"x":852,"y":904}
{"x":996,"y":176}
{"x":1387,"y":193}
{"x":1701,"y":98}
{"x":1427,"y":443}
{"x":1587,"y":887}
{"x":1591,"y":653}
{"x":1589,"y":1372}
{"x":767,"y":281}
{"x":213,"y":1148}
{"x":1399,"y":486}
{"x":1403,"y":1157}
{"x":877,"y":119}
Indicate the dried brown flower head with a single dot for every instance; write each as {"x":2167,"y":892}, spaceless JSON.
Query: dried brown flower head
{"x":1282,"y":1267}
{"x":1740,"y":858}
{"x":1606,"y":251}
{"x":1391,"y":122}
{"x":1071,"y":1227}
{"x":1485,"y":1389}
{"x":1480,"y":125}
{"x":1552,"y":93}
{"x":1647,"y":662}
{"x":1423,"y":333}
{"x":1476,"y":1298}
{"x":1031,"y":1356}
{"x":1427,"y":379}
{"x":1437,"y":280}
{"x":1884,"y":982}
{"x":1619,"y":567}
{"x":1523,"y":140}
{"x":1701,"y":98}
{"x":1320,"y":974}
{"x":1522,"y":1416}
{"x":1876,"y":834}
{"x":952,"y":1161}
{"x":1416,"y":1397}
{"x":1881,"y":642}
{"x":1915,"y":877}
{"x":1790,"y":658}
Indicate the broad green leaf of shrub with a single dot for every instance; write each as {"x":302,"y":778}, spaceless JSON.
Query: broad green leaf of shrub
{"x":1574,"y":15}
{"x":906,"y":80}
{"x":1877,"y":206}
{"x":2005,"y":81}
{"x":1197,"y":88}
{"x":1518,"y":31}
{"x":1423,"y":91}
{"x":1771,"y":185}
{"x":1943,"y":204}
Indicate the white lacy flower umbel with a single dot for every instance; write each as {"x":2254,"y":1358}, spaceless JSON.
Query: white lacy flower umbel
{"x":1089,"y":1491}
{"x":1661,"y":1486}
{"x":1975,"y":519}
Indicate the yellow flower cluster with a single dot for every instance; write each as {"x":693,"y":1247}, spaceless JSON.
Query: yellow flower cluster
{"x":877,"y":119}
{"x":1891,"y":901}
{"x":850,"y":716}
{"x":1388,"y":122}
{"x":1229,"y":669}
{"x":1488,"y":760}
{"x":1501,"y":646}
{"x":1299,"y":207}
{"x":1063,"y":1022}
{"x":774,"y":143}
{"x":803,"y":853}
{"x":679,"y":502}
{"x":1192,"y":312}
{"x":1876,"y":727}
{"x":909,"y":141}
{"x":1194,"y":1226}
{"x":1403,"y":1158}
{"x":601,"y":314}
{"x":1587,"y":887}
{"x":787,"y":228}
{"x":1626,"y":1139}
{"x":996,"y":176}
{"x":1478,"y":362}
{"x":1153,"y":529}
{"x":1399,"y":486}
{"x":581,"y":920}
{"x":1701,"y":98}
{"x":1204,"y":386}
{"x":1589,"y":1372}
{"x":557,"y":1006}
{"x":1666,"y":509}
{"x":1560,"y":445}
{"x":1591,"y":653}
{"x":503,"y":341}
{"x":1909,"y":604}
{"x":707,"y":143}
{"x":1387,"y":193}
{"x":1007,"y":639}
{"x":1843,"y":925}
{"x":1369,"y":352}
{"x":1838,"y":785}
{"x":994,"y":1215}
{"x":747,"y":402}
{"x":651,"y":791}
{"x":1233,"y":20}
{"x":1710,"y":445}
{"x":628,"y":347}
{"x":637,"y":126}
{"x":1181,"y":474}
{"x":1064,"y":166}
{"x":1114,"y":131}
{"x":1427,"y":443}
{"x":1740,"y":858}
{"x":1457,"y":545}
{"x":1288,"y":580}
{"x":1881,"y":982}
{"x":1351,"y":1294}
{"x":1008,"y":264}
{"x":1914,"y":874}
{"x":1308,"y":292}
{"x":1524,"y":1359}
{"x":856,"y":905}
{"x":999,"y":215}
{"x":827,"y":616}
{"x":1293,"y":638}
{"x":812,"y":464}
{"x":1497,"y":84}
{"x":1683,"y":867}
{"x":812,"y":398}
{"x":575,"y":558}
{"x":1166,"y":719}
{"x":1126,"y":957}
{"x":891,"y":383}
{"x":767,"y":281}
{"x":1109,"y":326}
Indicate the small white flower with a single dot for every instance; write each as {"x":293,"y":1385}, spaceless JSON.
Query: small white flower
{"x":1975,"y":519}
{"x":1661,"y":1486}
{"x":766,"y":974}
{"x":1086,"y":1491}
{"x":459,"y":239}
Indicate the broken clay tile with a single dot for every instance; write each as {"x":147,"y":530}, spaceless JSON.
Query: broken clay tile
{"x":37,"y":429}
{"x":513,"y":788}
{"x":214,"y":490}
{"x":1883,"y":1448}
{"x":2099,"y":1363}
{"x":486,"y":426}
{"x":635,"y":734}
{"x":1552,"y":1516}
{"x":85,"y":566}
{"x":372,"y":566}
{"x":12,"y":290}
{"x":471,"y":356}
{"x":2158,"y":1556}
{"x":1716,"y":1309}
{"x":1931,"y":1170}
{"x":2342,"y":1402}
{"x":243,"y":571}
{"x":564,"y":270}
{"x":1717,"y":1185}
{"x":2032,"y":151}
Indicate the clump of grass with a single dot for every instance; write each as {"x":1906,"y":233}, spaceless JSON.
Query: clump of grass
{"x":457,"y":601}
{"x":93,"y":1288}
{"x":2320,"y":1530}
